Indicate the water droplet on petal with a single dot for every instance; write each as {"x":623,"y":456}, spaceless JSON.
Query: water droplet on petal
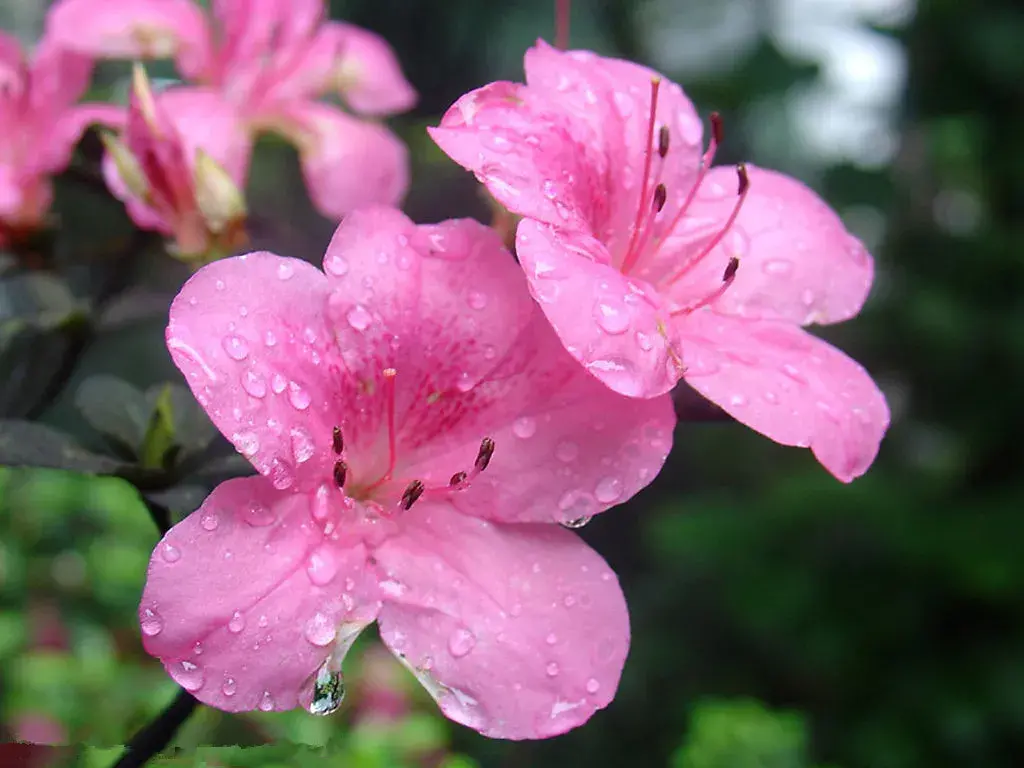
{"x":552,"y":669}
{"x":281,"y":474}
{"x":247,"y":443}
{"x":794,"y":373}
{"x":170,"y":553}
{"x":209,"y":521}
{"x":322,"y":566}
{"x":285,"y":270}
{"x":254,"y":384}
{"x":608,"y":490}
{"x":551,"y":639}
{"x":320,"y":630}
{"x":219,"y":285}
{"x":567,"y":451}
{"x":188,"y":675}
{"x":229,"y":686}
{"x":593,"y":686}
{"x":269,"y":338}
{"x":258,"y":515}
{"x":151,"y":623}
{"x":476,"y":300}
{"x":298,"y":397}
{"x":738,"y":400}
{"x":236,"y":347}
{"x":778,"y":267}
{"x":336,"y":265}
{"x":328,"y":690}
{"x":359,"y":318}
{"x":578,"y":522}
{"x":524,"y":427}
{"x":267,"y":702}
{"x":303,"y":447}
{"x":237,"y":623}
{"x":461,"y":642}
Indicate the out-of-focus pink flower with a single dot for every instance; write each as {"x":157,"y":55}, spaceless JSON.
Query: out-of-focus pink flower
{"x":40,"y":123}
{"x":652,"y":266}
{"x":179,"y":167}
{"x":382,"y":689}
{"x":269,"y":60}
{"x":418,"y":430}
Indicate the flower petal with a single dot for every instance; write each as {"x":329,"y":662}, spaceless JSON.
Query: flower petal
{"x":797,"y":261}
{"x":205,"y":120}
{"x":244,"y":598}
{"x":142,"y":29}
{"x":787,"y":385}
{"x":250,"y":335}
{"x":518,"y":631}
{"x":368,"y":74}
{"x":347,"y":163}
{"x":612,"y":324}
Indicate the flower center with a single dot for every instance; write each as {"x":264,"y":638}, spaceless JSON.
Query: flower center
{"x":648,"y":232}
{"x":381,"y":489}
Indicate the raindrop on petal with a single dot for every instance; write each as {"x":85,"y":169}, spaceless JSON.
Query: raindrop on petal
{"x":254,"y":384}
{"x":229,"y":686}
{"x":188,"y":675}
{"x":170,"y":553}
{"x":151,"y":623}
{"x":285,"y":270}
{"x":303,"y":447}
{"x":328,"y":690}
{"x":552,"y":669}
{"x":298,"y":397}
{"x":322,"y":567}
{"x":578,"y":522}
{"x":236,"y":347}
{"x":593,"y":686}
{"x":524,"y":427}
{"x":608,"y":490}
{"x":359,"y":318}
{"x":320,"y":630}
{"x":267,"y":702}
{"x":209,"y":521}
{"x":567,"y":451}
{"x":461,"y":642}
{"x":612,"y":318}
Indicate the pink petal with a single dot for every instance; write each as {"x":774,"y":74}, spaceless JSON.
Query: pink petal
{"x":244,"y":598}
{"x":141,"y":29}
{"x":613,"y":324}
{"x":518,"y":631}
{"x":787,"y":385}
{"x":347,"y":163}
{"x":567,"y":447}
{"x":250,"y":336}
{"x":370,"y":77}
{"x":59,"y":76}
{"x":66,"y":130}
{"x":205,"y":120}
{"x":525,"y":153}
{"x":797,"y":261}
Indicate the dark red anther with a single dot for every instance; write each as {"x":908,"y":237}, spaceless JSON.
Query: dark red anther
{"x":337,"y":441}
{"x":716,"y":127}
{"x":660,"y":196}
{"x":340,"y":473}
{"x":483,"y":457}
{"x":412,"y":492}
{"x":663,"y":139}
{"x":744,"y":180}
{"x":730,"y":269}
{"x":457,"y":479}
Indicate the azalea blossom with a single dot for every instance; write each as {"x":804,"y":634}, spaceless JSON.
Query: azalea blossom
{"x":178,"y":180}
{"x":652,"y":266}
{"x":40,"y":123}
{"x":269,"y":61}
{"x":419,"y":432}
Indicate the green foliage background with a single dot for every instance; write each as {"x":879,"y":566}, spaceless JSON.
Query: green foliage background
{"x":780,"y":619}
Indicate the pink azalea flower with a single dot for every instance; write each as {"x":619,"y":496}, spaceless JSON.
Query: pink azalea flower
{"x":418,"y":430}
{"x":269,"y":60}
{"x":652,"y":266}
{"x":178,"y":179}
{"x":40,"y":123}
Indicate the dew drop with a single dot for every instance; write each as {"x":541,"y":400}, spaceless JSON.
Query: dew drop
{"x":254,"y":384}
{"x":247,"y":443}
{"x":807,"y":297}
{"x":298,"y":397}
{"x":778,"y":267}
{"x":593,"y":686}
{"x":269,"y":339}
{"x":524,"y":427}
{"x":285,"y":271}
{"x":328,"y":690}
{"x":188,"y":675}
{"x":237,"y":623}
{"x":322,"y":567}
{"x":258,"y":515}
{"x":151,"y":623}
{"x":608,"y":490}
{"x":461,"y":642}
{"x":303,"y":447}
{"x":569,"y":601}
{"x":336,"y":265}
{"x":320,"y":630}
{"x":738,"y":400}
{"x":219,"y":285}
{"x":209,"y":521}
{"x":794,"y":373}
{"x":281,"y":475}
{"x":476,"y":300}
{"x":551,"y":639}
{"x":552,"y":669}
{"x":229,"y":686}
{"x":266,"y":702}
{"x":567,"y":451}
{"x":578,"y":522}
{"x":170,"y":553}
{"x":611,"y":318}
{"x":358,"y":317}
{"x":464,"y":383}
{"x":236,"y":347}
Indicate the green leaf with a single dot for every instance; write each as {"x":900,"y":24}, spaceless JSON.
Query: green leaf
{"x":114,"y":408}
{"x":159,"y":438}
{"x":742,"y":734}
{"x":28,"y":444}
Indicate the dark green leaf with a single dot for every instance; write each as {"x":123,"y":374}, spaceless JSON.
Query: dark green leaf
{"x":27,"y":444}
{"x":115,"y":408}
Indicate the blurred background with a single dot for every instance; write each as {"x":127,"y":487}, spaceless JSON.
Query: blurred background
{"x":780,"y":619}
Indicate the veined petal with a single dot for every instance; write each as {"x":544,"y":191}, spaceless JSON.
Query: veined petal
{"x":518,"y":631}
{"x":788,"y":385}
{"x":614,"y":325}
{"x":245,"y":599}
{"x":141,"y":29}
{"x":347,"y":162}
{"x":251,"y":337}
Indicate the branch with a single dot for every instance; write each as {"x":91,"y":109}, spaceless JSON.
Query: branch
{"x":155,"y":737}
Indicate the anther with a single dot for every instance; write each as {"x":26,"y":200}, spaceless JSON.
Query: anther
{"x":483,"y":458}
{"x":660,"y":196}
{"x":337,"y":441}
{"x":663,"y":139}
{"x":412,"y":492}
{"x":744,"y":180}
{"x":340,"y":473}
{"x":716,"y":127}
{"x":730,"y":269}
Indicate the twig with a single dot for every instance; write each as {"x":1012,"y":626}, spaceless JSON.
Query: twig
{"x":154,"y":737}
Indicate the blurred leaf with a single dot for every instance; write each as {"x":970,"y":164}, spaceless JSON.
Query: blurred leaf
{"x":160,"y":437}
{"x":115,"y":408}
{"x":181,"y":500}
{"x":742,"y":734}
{"x":27,"y":444}
{"x":191,"y":427}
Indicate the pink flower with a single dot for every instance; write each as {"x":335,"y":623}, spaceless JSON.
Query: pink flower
{"x":40,"y":123}
{"x":418,"y":430}
{"x":269,"y":60}
{"x":178,"y":167}
{"x":653,"y":266}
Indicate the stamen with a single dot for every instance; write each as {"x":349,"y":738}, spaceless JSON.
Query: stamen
{"x":457,"y":479}
{"x":663,"y":139}
{"x":730,"y":270}
{"x":742,"y":188}
{"x":660,"y":196}
{"x":340,"y":473}
{"x":337,"y":441}
{"x":389,"y":394}
{"x":630,"y":259}
{"x":727,"y":279}
{"x":483,"y":457}
{"x":562,"y":8}
{"x":412,"y":492}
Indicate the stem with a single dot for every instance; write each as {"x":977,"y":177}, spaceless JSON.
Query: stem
{"x":562,"y":8}
{"x":154,"y":737}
